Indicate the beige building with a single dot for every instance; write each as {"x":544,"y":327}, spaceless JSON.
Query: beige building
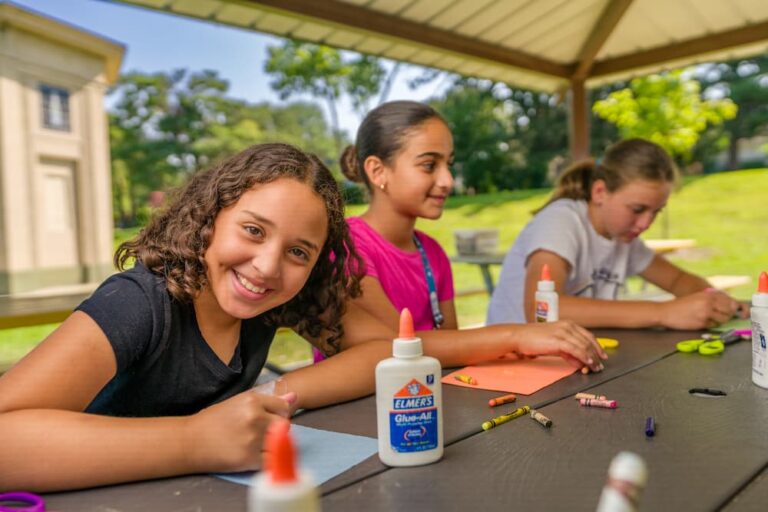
{"x":55,"y":187}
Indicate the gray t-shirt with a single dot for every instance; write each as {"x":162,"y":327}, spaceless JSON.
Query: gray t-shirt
{"x":599,"y":266}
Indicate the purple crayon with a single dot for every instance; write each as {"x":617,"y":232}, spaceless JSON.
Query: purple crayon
{"x":594,"y":402}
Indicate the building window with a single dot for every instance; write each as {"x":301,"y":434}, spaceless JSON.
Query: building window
{"x":55,"y":107}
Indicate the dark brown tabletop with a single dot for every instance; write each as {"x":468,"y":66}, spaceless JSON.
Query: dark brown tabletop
{"x":753,"y":497}
{"x":641,"y":352}
{"x":704,"y":452}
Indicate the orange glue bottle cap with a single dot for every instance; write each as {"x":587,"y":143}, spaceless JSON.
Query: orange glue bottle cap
{"x":406,"y":324}
{"x":762,"y":286}
{"x":407,"y":344}
{"x":545,"y":275}
{"x":280,"y":457}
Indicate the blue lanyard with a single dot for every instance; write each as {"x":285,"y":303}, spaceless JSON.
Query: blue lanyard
{"x":437,"y":316}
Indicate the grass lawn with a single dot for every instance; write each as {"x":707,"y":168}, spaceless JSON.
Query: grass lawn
{"x":723,"y":212}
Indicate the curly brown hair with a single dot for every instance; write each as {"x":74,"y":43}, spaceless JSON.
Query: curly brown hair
{"x":174,"y":242}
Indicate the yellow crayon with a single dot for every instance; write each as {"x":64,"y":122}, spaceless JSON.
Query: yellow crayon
{"x":495,"y":422}
{"x":608,"y":342}
{"x":466,"y":379}
{"x":499,"y":400}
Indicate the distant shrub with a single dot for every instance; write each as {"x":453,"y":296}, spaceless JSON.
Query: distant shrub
{"x":353,"y":193}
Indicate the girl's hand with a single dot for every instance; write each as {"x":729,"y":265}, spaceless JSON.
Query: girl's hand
{"x":565,"y":339}
{"x":228,"y":436}
{"x":701,"y":310}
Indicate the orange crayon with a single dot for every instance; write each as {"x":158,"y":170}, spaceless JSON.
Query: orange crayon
{"x":499,"y":400}
{"x":466,"y":379}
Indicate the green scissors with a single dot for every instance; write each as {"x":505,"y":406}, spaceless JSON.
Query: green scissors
{"x":703,"y":347}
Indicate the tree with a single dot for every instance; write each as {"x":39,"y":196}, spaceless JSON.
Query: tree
{"x":745,"y":81}
{"x":666,"y":109}
{"x":164,"y":126}
{"x":482,"y":135}
{"x":322,"y":71}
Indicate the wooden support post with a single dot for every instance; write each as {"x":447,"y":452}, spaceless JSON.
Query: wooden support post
{"x":578,"y":122}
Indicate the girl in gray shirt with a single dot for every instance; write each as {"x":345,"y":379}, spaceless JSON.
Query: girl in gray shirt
{"x":588,"y":234}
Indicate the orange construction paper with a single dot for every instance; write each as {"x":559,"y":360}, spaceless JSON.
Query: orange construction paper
{"x":522,"y":376}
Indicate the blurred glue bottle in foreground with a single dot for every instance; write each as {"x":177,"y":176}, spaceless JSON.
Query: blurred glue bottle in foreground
{"x":280,"y":487}
{"x":627,"y":475}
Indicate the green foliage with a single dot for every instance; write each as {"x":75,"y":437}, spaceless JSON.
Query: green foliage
{"x":745,"y":81}
{"x":166,"y":125}
{"x":666,"y":109}
{"x":323,"y":72}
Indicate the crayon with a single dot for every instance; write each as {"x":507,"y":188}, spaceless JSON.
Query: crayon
{"x":579,"y":396}
{"x":495,"y":422}
{"x":466,"y":379}
{"x":608,"y":342}
{"x":593,"y":402}
{"x":536,"y":415}
{"x":499,"y":400}
{"x":707,"y":391}
{"x":650,"y":427}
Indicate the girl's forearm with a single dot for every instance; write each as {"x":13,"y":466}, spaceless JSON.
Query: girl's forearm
{"x":344,"y":376}
{"x":611,"y":313}
{"x":48,"y":450}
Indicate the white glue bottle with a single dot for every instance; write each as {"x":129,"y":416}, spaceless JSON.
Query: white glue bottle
{"x":759,"y":316}
{"x":547,"y":303}
{"x":409,"y":404}
{"x":627,"y":475}
{"x":280,"y":487}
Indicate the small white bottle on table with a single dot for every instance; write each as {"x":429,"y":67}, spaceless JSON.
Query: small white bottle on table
{"x":547,"y":301}
{"x":759,"y":316}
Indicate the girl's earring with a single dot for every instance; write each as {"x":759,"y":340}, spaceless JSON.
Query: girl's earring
{"x":383,"y":186}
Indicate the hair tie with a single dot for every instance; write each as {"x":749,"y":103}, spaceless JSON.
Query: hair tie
{"x":598,"y":161}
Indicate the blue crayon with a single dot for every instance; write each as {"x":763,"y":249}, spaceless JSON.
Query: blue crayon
{"x":650,"y":427}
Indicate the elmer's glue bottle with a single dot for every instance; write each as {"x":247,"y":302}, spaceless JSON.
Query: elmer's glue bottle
{"x":759,"y":316}
{"x":547,"y":304}
{"x":409,"y":402}
{"x":627,"y":475}
{"x":280,"y":487}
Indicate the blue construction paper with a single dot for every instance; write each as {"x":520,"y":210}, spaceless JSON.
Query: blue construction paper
{"x":322,"y":453}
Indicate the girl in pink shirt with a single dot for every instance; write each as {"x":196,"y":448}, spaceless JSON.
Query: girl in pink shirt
{"x":403,"y":154}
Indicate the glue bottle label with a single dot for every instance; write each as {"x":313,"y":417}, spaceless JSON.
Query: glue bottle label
{"x":542,"y":311}
{"x":413,"y":419}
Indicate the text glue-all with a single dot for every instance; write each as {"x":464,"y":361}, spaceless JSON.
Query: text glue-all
{"x":409,"y":402}
{"x":759,"y":316}
{"x":280,"y":487}
{"x":627,"y":475}
{"x":547,"y":304}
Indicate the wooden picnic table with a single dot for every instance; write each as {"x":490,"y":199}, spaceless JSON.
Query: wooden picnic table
{"x":27,"y":311}
{"x":708,"y":453}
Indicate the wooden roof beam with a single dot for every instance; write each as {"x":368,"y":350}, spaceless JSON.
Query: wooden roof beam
{"x":366,"y":20}
{"x":699,"y":46}
{"x":602,"y":30}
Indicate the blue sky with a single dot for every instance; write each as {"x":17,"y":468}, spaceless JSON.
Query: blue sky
{"x":157,"y":41}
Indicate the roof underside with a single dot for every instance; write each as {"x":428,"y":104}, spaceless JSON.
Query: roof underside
{"x":534,"y":44}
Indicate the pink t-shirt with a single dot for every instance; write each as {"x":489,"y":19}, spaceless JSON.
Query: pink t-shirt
{"x":401,"y":273}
